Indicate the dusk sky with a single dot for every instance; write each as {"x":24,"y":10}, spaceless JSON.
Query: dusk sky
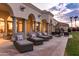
{"x":61,"y":11}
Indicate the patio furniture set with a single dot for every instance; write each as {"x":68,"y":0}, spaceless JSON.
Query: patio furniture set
{"x":34,"y":38}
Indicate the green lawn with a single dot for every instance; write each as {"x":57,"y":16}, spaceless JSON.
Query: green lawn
{"x":72,"y":48}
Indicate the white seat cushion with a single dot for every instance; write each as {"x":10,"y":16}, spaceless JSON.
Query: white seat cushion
{"x":19,"y":37}
{"x":33,"y":35}
{"x":45,"y":33}
{"x":40,"y":33}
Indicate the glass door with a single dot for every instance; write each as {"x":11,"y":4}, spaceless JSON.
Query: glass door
{"x":9,"y":27}
{"x":2,"y":27}
{"x":20,"y":25}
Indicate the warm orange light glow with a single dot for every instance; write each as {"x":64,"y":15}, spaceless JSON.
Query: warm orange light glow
{"x":43,"y":26}
{"x":30,"y":25}
{"x":2,"y":25}
{"x":33,"y":25}
{"x":36,"y":24}
{"x":1,"y":19}
{"x":20,"y":25}
{"x":9,"y":23}
{"x":9,"y":18}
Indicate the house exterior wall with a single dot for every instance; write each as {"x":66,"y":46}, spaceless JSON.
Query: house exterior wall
{"x":23,"y":14}
{"x":18,"y":13}
{"x":48,"y":18}
{"x":54,"y":22}
{"x":65,"y":28}
{"x":63,"y":25}
{"x":28,"y":10}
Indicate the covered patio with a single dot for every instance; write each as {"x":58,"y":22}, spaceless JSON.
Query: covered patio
{"x":54,"y":47}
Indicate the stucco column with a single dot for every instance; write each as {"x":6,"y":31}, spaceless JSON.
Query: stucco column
{"x":5,"y":28}
{"x":48,"y":27}
{"x":38,"y":26}
{"x":52,"y":28}
{"x":34,"y":26}
{"x":24,"y":28}
{"x":14,"y":29}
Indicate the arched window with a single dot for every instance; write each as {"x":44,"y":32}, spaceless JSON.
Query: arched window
{"x":30,"y":23}
{"x":2,"y":24}
{"x":43,"y":25}
{"x":20,"y":25}
{"x":9,"y":24}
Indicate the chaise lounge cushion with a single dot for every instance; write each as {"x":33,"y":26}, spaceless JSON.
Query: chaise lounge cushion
{"x":45,"y":33}
{"x":36,"y":40}
{"x":40,"y":35}
{"x":22,"y":45}
{"x":19,"y":37}
{"x":23,"y":42}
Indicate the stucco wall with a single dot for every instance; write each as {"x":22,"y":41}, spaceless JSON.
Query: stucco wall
{"x":45,"y":16}
{"x":49,"y":17}
{"x":28,"y":10}
{"x":54,"y":22}
{"x":23,"y":14}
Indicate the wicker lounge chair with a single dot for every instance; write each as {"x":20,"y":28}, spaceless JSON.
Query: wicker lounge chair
{"x":40,"y":35}
{"x":47,"y":34}
{"x":36,"y":40}
{"x":22,"y":45}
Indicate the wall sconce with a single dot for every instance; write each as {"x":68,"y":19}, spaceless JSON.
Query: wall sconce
{"x":22,"y":8}
{"x":39,"y":16}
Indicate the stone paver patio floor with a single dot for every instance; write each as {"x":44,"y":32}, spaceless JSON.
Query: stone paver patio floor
{"x":53,"y":47}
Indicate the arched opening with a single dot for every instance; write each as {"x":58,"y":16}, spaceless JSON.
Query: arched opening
{"x":43,"y":26}
{"x":30,"y":23}
{"x":5,"y":20}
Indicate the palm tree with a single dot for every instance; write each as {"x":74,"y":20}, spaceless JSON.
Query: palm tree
{"x":75,"y":19}
{"x":71,"y":21}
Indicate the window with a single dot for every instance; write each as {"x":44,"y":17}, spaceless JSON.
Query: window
{"x":9,"y":24}
{"x":2,"y":24}
{"x":20,"y":26}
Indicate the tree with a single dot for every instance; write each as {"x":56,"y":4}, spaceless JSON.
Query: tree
{"x":71,"y":21}
{"x":75,"y":19}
